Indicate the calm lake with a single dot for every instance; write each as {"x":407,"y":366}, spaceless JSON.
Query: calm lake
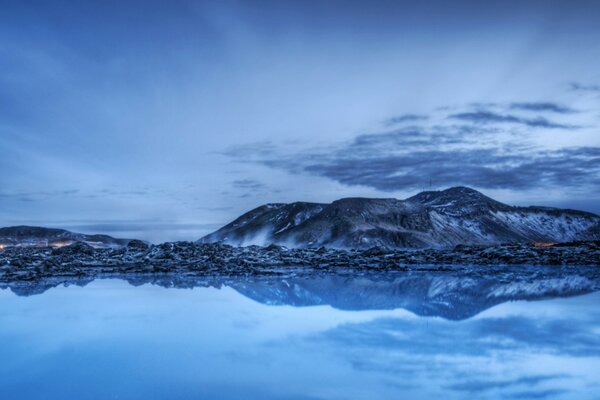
{"x":297,"y":339}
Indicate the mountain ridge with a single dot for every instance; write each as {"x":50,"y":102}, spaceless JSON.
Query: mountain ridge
{"x":36,"y":236}
{"x":458,"y":215}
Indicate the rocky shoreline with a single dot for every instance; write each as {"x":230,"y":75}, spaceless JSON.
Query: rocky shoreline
{"x":81,"y":260}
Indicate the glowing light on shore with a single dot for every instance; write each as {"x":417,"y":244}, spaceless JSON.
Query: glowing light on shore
{"x":61,"y":244}
{"x":543,"y":244}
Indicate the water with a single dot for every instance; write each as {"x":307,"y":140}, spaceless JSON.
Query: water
{"x":266,"y":339}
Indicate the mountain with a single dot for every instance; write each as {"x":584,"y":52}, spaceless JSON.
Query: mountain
{"x":438,"y":219}
{"x":33,"y":236}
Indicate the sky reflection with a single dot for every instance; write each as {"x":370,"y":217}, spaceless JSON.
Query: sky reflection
{"x":111,"y":340}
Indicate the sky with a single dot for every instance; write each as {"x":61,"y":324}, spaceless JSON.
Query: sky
{"x":164,"y":120}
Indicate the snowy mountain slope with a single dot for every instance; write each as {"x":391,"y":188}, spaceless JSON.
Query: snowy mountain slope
{"x":445,"y":218}
{"x":258,"y":226}
{"x":33,"y":236}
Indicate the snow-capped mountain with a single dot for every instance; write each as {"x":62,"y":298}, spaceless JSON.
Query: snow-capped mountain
{"x":445,"y":218}
{"x":33,"y":236}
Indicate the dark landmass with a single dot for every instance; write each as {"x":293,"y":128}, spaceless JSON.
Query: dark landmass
{"x":428,"y":220}
{"x":432,"y":219}
{"x":453,"y":283}
{"x":35,"y":236}
{"x":80,"y":259}
{"x":451,"y":292}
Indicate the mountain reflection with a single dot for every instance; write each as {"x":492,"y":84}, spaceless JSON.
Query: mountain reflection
{"x":303,"y":335}
{"x":450,"y":294}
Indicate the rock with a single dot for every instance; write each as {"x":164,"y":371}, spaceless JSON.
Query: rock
{"x":138,"y":245}
{"x":189,"y":258}
{"x":74,"y":248}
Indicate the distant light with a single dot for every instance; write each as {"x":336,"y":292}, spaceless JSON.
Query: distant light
{"x":61,"y":244}
{"x":543,"y":244}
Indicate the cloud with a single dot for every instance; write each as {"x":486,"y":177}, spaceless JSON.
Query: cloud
{"x":489,"y":117}
{"x":214,"y":208}
{"x":410,"y":158}
{"x":420,"y":136}
{"x":485,"y":168}
{"x":452,"y":356}
{"x":30,"y":196}
{"x":542,"y":106}
{"x":249,"y":184}
{"x":248,"y":187}
{"x":538,"y":394}
{"x":248,"y":150}
{"x":405,"y":118}
{"x":578,"y":87}
{"x":483,"y":145}
{"x":478,"y":386}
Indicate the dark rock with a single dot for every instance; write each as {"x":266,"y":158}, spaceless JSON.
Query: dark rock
{"x":74,"y":248}
{"x":138,"y":245}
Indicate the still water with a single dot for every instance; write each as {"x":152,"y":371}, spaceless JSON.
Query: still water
{"x":283,"y":340}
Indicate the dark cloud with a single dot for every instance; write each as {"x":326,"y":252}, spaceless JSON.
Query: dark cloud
{"x":484,"y":168}
{"x":405,"y":118}
{"x":538,"y":394}
{"x":126,"y":193}
{"x":410,"y":158}
{"x":420,"y":136}
{"x":479,"y":151}
{"x":489,"y":117}
{"x":543,"y":106}
{"x":248,"y":187}
{"x":38,"y":195}
{"x":248,"y":184}
{"x":249,"y":150}
{"x":578,"y":87}
{"x":46,"y":195}
{"x":214,"y":208}
{"x":478,"y":386}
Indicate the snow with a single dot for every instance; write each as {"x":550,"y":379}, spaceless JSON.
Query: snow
{"x":557,"y":286}
{"x":561,"y":228}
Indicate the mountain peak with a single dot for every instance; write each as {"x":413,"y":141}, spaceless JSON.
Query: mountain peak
{"x":456,"y":191}
{"x":456,"y":197}
{"x":462,"y":190}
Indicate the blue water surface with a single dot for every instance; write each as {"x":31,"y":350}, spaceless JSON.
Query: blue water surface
{"x":112,"y":340}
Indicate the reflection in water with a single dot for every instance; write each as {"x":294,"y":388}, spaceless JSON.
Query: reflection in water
{"x":412,"y":335}
{"x":449,"y":292}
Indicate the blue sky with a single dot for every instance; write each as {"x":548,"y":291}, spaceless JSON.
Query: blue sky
{"x":164,"y":120}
